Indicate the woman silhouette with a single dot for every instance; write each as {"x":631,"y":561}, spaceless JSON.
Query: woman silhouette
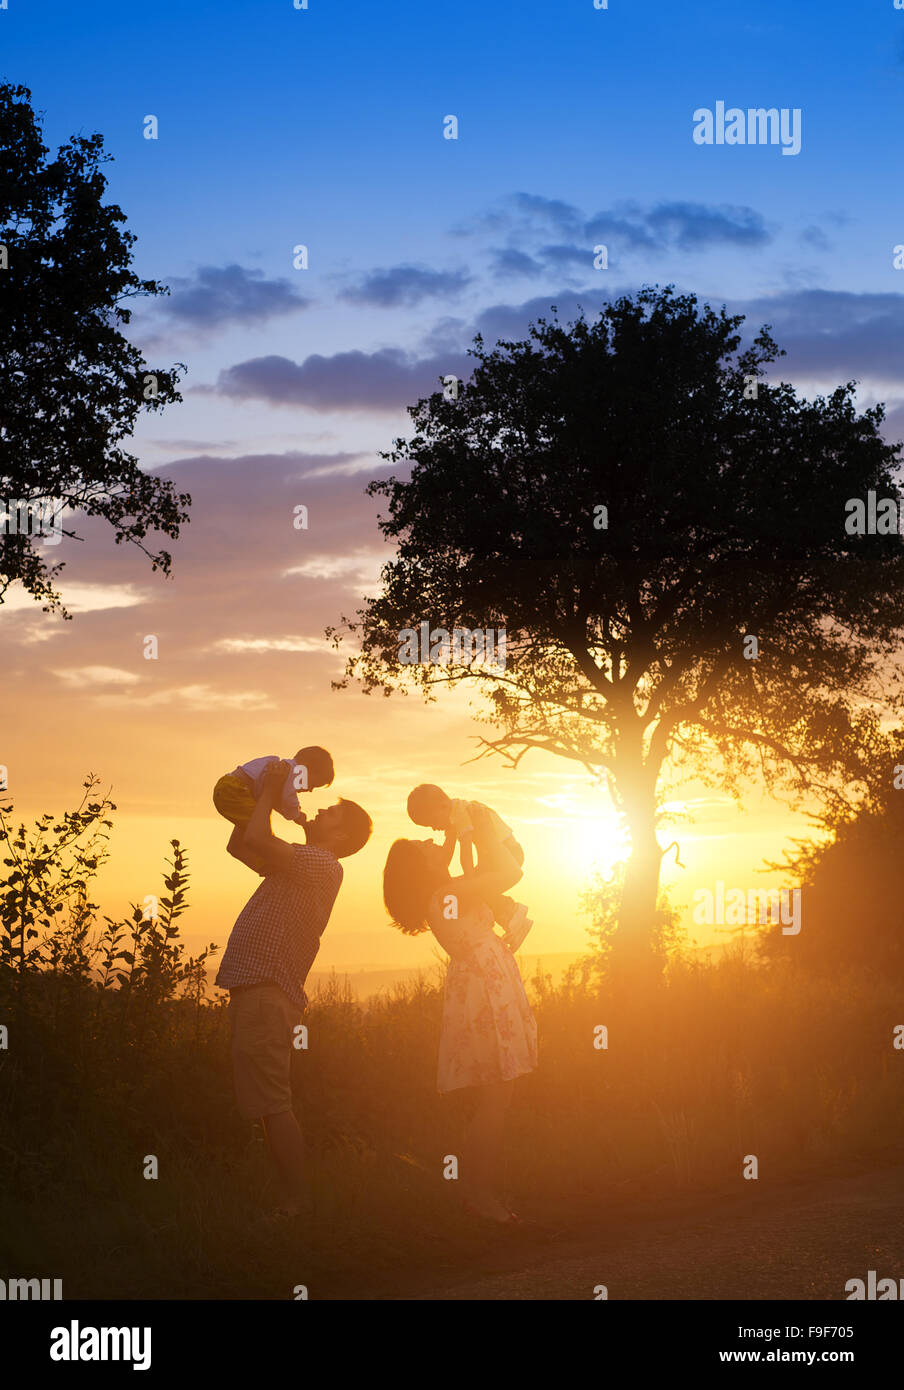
{"x":489,"y":1035}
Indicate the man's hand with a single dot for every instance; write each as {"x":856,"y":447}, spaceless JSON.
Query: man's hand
{"x":275,"y":775}
{"x":274,"y":855}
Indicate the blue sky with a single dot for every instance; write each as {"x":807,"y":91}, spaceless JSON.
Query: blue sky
{"x":272,"y":118}
{"x":325,"y":127}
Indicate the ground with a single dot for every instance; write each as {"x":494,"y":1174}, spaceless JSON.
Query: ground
{"x":801,"y":1240}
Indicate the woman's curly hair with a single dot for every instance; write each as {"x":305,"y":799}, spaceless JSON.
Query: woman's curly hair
{"x":409,"y":882}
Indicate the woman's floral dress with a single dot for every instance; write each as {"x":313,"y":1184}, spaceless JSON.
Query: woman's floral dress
{"x":488,"y":1033}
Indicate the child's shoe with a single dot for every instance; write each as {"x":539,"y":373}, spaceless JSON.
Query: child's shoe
{"x":518,"y":927}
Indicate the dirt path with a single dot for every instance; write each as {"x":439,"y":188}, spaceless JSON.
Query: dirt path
{"x":802,"y":1240}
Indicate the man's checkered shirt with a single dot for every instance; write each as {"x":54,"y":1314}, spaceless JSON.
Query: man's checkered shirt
{"x":277,"y":933}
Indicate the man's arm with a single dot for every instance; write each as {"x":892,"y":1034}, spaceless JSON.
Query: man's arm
{"x":239,"y":850}
{"x":288,"y":804}
{"x":274,"y":855}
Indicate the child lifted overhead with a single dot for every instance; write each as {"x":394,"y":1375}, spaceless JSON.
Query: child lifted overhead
{"x":235,"y":793}
{"x":430,"y":806}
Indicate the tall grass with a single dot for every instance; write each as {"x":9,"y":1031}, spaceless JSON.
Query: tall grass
{"x":726,"y":1060}
{"x":114,"y":1053}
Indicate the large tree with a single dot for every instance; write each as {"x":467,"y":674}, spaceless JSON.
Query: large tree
{"x":72,"y":385}
{"x":628,"y":643}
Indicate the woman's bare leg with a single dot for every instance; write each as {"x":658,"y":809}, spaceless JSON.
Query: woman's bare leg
{"x":483,"y":1149}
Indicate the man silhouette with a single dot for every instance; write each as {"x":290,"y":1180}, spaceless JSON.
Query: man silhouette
{"x":270,"y":950}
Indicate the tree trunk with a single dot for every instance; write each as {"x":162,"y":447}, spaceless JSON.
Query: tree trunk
{"x":633,"y":952}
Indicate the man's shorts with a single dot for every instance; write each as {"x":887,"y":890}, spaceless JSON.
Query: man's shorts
{"x":262,"y":1019}
{"x":233,"y":799}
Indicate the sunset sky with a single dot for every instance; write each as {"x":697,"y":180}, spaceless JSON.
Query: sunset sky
{"x":324,"y":127}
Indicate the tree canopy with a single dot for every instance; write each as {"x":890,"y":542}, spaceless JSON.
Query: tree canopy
{"x":628,"y":628}
{"x":73,"y":385}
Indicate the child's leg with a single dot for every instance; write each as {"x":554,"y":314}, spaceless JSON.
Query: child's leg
{"x":493,"y":853}
{"x":235,"y":803}
{"x":503,"y":907}
{"x":515,"y":850}
{"x":499,"y":854}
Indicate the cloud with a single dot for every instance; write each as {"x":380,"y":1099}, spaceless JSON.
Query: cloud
{"x":197,"y":698}
{"x":78,"y":598}
{"x":233,"y":645}
{"x":826,"y":333}
{"x":835,"y":332}
{"x":511,"y":320}
{"x":508,"y":260}
{"x":561,"y":257}
{"x":192,"y":446}
{"x":79,"y":676}
{"x":624,"y":228}
{"x":386,"y":380}
{"x":624,"y":233}
{"x":695,"y":226}
{"x":553,"y":211}
{"x":525,"y":211}
{"x":240,"y":636}
{"x":217,"y":296}
{"x":893,"y":429}
{"x":816,"y":237}
{"x":363,"y":565}
{"x":406,"y":285}
{"x":191,"y":696}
